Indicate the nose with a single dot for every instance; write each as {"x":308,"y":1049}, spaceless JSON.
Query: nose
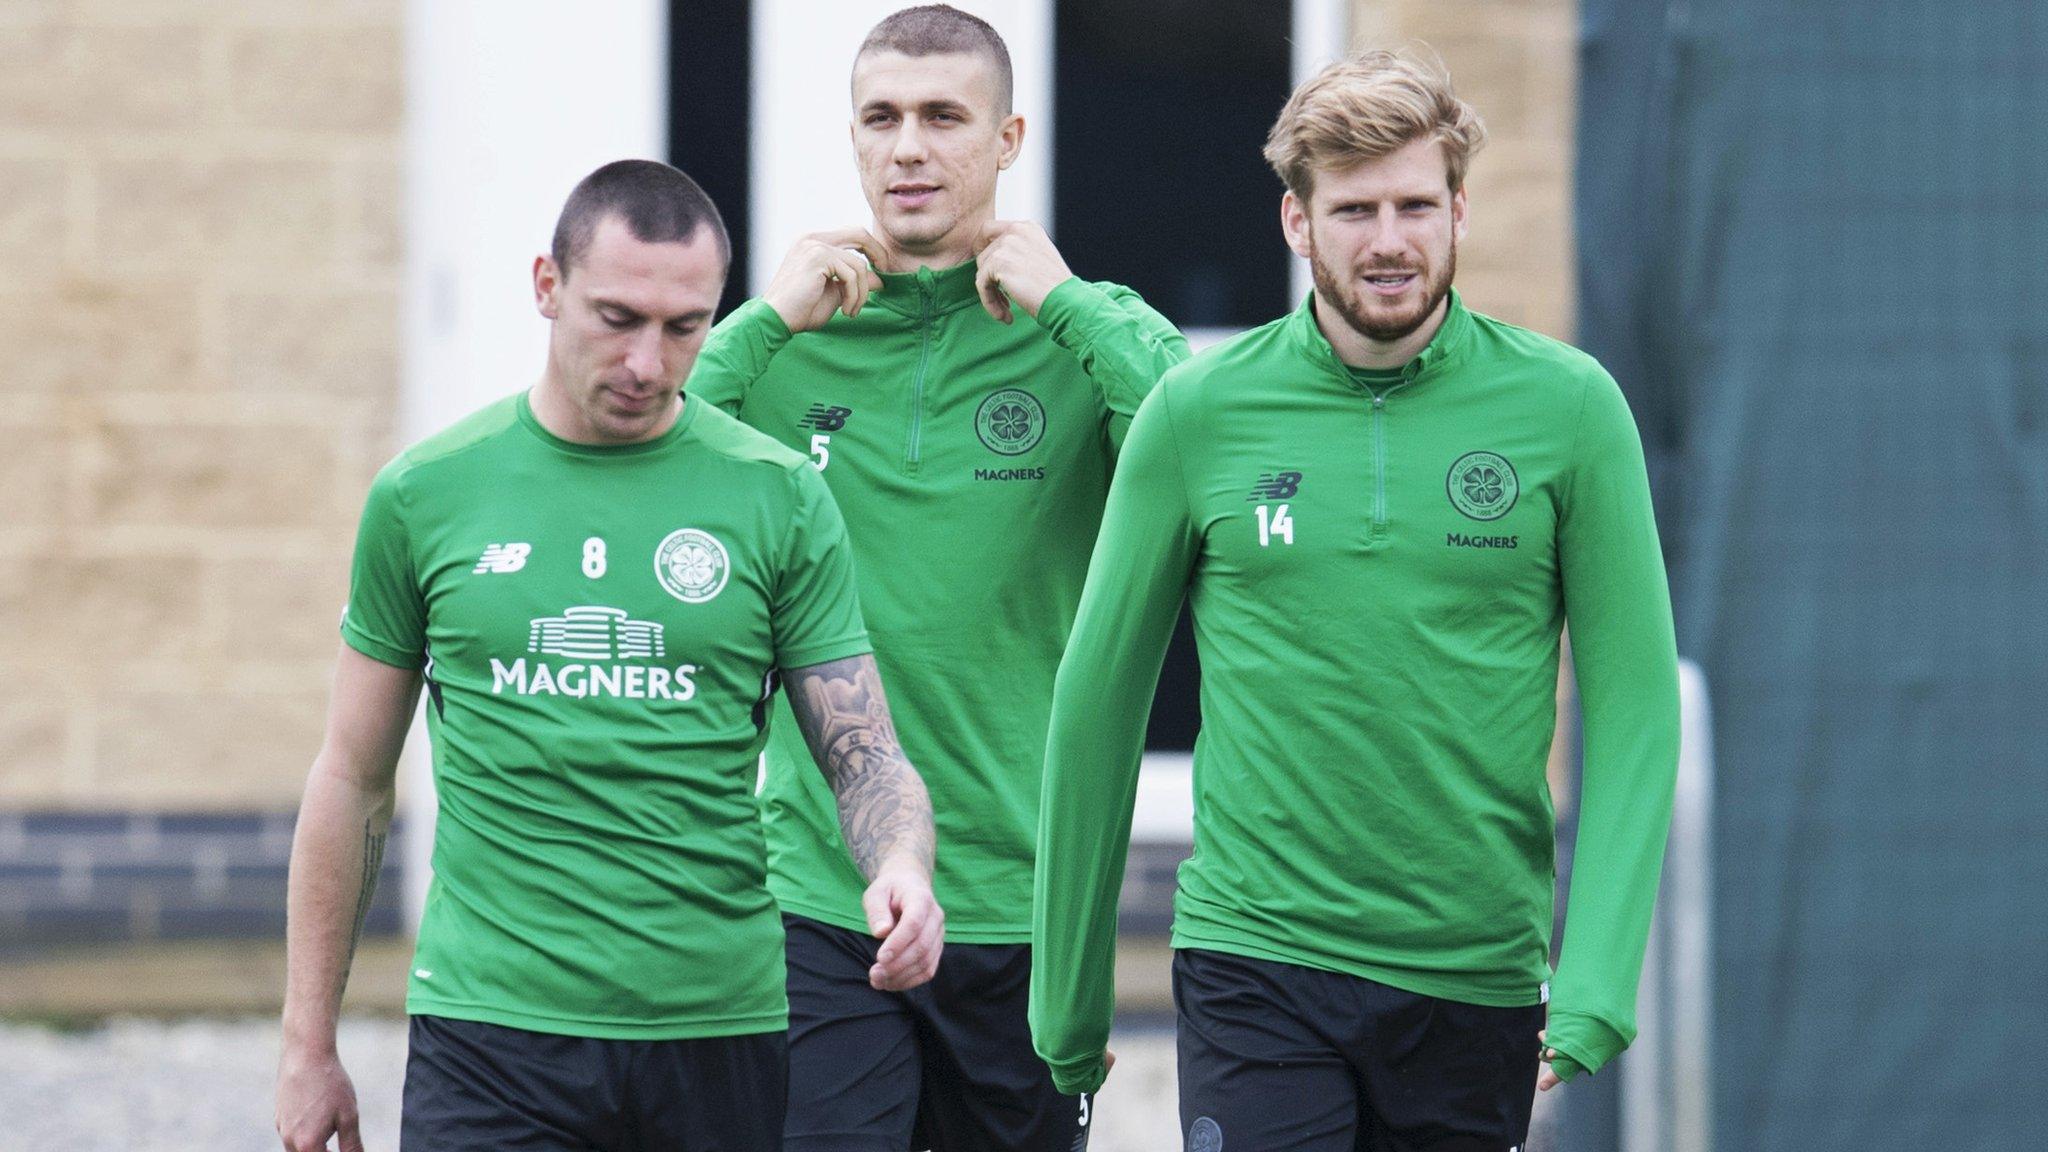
{"x":644,"y":354}
{"x":1386,"y":238}
{"x":909,"y":142}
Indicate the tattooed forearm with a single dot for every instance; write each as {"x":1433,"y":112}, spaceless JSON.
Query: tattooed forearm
{"x":373,"y":863}
{"x":883,"y":807}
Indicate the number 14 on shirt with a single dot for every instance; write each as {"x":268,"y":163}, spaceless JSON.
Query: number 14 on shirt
{"x":1275,"y":522}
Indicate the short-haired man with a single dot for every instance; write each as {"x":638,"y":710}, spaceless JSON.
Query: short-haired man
{"x":1382,"y":510}
{"x":599,"y":583}
{"x":965,"y":397}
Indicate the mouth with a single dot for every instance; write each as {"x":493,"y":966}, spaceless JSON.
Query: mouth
{"x":1390,"y":283}
{"x":912,"y":195}
{"x":631,"y":402}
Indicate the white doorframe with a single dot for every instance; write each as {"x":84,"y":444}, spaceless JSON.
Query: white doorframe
{"x":507,"y":106}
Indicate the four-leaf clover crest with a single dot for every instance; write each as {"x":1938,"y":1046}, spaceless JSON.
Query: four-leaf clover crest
{"x":695,"y":565}
{"x":1483,"y":485}
{"x":1010,"y":422}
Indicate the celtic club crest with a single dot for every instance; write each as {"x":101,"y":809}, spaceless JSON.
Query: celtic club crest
{"x":692,"y":565}
{"x":1482,"y":485}
{"x":1010,"y":422}
{"x":1205,"y":1135}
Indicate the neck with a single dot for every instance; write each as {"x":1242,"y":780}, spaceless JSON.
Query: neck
{"x":1359,"y":350}
{"x":957,"y":246}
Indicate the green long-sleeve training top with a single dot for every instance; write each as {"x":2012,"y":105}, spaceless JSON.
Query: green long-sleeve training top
{"x":1379,"y":565}
{"x":971,"y":460}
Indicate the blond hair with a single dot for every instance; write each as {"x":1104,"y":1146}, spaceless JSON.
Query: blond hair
{"x":1368,"y":106}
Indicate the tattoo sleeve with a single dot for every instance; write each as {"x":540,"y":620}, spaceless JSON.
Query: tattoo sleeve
{"x":883,"y":806}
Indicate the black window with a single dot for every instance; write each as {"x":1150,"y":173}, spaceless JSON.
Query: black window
{"x":1160,"y":108}
{"x":710,"y":77}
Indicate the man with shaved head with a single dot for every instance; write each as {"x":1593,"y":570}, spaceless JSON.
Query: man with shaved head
{"x":965,"y":396}
{"x":594,"y":581}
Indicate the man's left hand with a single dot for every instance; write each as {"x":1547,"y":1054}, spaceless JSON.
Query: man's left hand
{"x":1548,"y":1079}
{"x":1016,"y":261}
{"x":903,"y":914}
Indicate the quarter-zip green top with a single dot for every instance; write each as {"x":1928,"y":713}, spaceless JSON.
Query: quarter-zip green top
{"x":1379,"y":385}
{"x":971,"y":459}
{"x":1377,"y":690}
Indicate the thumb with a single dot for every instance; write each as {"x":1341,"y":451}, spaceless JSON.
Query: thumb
{"x":350,"y":1133}
{"x":992,"y":298}
{"x":878,"y":902}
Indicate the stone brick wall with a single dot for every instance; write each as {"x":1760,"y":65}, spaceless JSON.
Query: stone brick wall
{"x":199,"y":330}
{"x":1516,"y":62}
{"x":199,"y":220}
{"x":74,"y":878}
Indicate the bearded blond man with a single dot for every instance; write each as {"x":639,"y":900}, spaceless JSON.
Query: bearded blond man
{"x":1382,"y":510}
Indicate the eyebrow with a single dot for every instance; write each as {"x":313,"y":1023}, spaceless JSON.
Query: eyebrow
{"x":1397,"y":198}
{"x":927,"y":107}
{"x":635,"y":314}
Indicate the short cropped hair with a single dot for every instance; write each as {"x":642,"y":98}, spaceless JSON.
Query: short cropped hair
{"x":1368,"y":106}
{"x":659,"y":204}
{"x":939,"y":29}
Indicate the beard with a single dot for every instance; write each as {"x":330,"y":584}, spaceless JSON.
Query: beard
{"x":1371,"y":319}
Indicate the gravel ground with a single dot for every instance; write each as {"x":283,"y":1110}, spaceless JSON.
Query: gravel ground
{"x":204,"y":1086}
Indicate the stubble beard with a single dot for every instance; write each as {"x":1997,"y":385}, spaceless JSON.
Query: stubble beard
{"x":1348,"y":297}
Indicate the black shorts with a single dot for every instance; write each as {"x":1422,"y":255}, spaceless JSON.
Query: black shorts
{"x":1285,"y":1058}
{"x":947,"y":1065}
{"x":471,"y":1085}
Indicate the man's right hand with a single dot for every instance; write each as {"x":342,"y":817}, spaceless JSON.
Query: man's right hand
{"x":314,"y":1101}
{"x":823,"y":273}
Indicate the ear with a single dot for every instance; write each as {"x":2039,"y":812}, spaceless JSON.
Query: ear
{"x":1012,"y":135}
{"x":1459,"y":221}
{"x":1294,"y":223}
{"x":547,"y":286}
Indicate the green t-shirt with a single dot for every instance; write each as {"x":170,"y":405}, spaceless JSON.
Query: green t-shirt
{"x":600,"y":627}
{"x":1378,"y":581}
{"x":971,"y":459}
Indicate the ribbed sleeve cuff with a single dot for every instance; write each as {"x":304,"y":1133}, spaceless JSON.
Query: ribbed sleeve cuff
{"x":765,"y":323}
{"x":1073,"y":1077}
{"x":1584,"y":1043}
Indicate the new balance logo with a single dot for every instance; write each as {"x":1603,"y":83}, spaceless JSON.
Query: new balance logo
{"x":1276,"y":486}
{"x":824,"y":418}
{"x":502,"y":558}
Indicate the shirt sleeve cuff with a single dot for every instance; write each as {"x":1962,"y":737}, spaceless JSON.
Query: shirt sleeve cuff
{"x":378,"y":650}
{"x":766,"y":323}
{"x":1073,"y":1077}
{"x":1584,"y":1043}
{"x":1069,"y":301}
{"x":824,"y":653}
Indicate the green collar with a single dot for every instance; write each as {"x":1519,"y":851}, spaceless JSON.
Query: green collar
{"x":1443,"y":352}
{"x":642,"y":448}
{"x":928,"y":291}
